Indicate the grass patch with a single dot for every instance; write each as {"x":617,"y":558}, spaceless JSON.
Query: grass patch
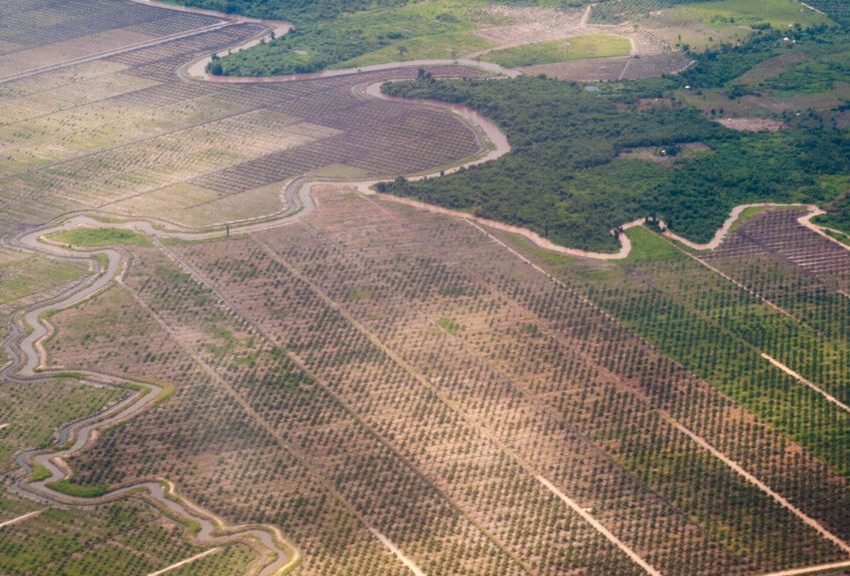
{"x":578,"y":48}
{"x":361,"y":294}
{"x":448,"y":46}
{"x":71,"y":489}
{"x":29,"y":275}
{"x":448,"y":325}
{"x":167,"y":389}
{"x":842,"y":237}
{"x":97,"y":237}
{"x":39,"y":472}
{"x":647,"y":246}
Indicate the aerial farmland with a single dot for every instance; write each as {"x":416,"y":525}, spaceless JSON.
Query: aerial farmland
{"x":424,"y":288}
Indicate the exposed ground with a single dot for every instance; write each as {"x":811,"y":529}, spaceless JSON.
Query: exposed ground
{"x":649,"y":54}
{"x":366,"y":386}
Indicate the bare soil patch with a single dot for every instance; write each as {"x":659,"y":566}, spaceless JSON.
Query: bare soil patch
{"x":752,"y":124}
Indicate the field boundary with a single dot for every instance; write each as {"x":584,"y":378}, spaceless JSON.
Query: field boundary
{"x":278,"y":556}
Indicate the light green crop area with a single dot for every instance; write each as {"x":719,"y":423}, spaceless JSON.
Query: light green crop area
{"x":22,"y":275}
{"x":96,"y":237}
{"x":777,"y":13}
{"x":578,"y":48}
{"x":34,"y":411}
{"x":125,"y":537}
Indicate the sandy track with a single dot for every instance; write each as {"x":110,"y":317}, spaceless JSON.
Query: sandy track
{"x":185,"y":562}
{"x":600,"y":528}
{"x":410,"y":564}
{"x":20,"y":518}
{"x":807,"y":382}
{"x":820,"y":569}
{"x":779,"y":499}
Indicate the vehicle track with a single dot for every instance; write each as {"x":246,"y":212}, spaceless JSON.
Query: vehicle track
{"x":277,"y":556}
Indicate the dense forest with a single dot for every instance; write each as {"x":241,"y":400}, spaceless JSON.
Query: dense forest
{"x":570,"y":179}
{"x":302,"y":12}
{"x":298,"y":12}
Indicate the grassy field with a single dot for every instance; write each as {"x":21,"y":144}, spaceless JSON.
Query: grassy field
{"x":34,"y":411}
{"x":777,"y":13}
{"x":97,"y":237}
{"x":23,"y":275}
{"x":702,"y":25}
{"x":577,"y":48}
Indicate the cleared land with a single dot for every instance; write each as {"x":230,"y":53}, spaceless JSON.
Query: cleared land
{"x":359,"y":328}
{"x":577,"y":48}
{"x":399,"y":391}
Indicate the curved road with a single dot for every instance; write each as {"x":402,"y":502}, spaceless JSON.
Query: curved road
{"x":278,"y":556}
{"x":27,"y":353}
{"x":25,"y":346}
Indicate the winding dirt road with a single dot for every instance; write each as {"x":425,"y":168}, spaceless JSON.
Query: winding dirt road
{"x":277,"y":555}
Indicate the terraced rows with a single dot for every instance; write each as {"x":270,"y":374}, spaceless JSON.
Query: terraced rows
{"x":472,"y":369}
{"x":778,"y":232}
{"x":139,"y":135}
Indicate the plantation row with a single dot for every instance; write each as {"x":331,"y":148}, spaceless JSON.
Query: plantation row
{"x":129,"y":130}
{"x":380,"y":139}
{"x":813,"y":300}
{"x":28,"y":23}
{"x":247,"y":419}
{"x":440,"y":369}
{"x":778,"y":234}
{"x":605,"y":354}
{"x":127,"y":537}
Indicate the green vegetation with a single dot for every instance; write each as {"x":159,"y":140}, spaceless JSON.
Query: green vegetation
{"x":720,"y":66}
{"x":296,"y":11}
{"x":36,"y":410}
{"x":573,"y":187}
{"x":719,"y":331}
{"x":71,"y":489}
{"x":97,"y":237}
{"x":23,"y":276}
{"x":361,"y":33}
{"x":718,"y":14}
{"x":362,"y":293}
{"x":126,"y":538}
{"x":648,"y":246}
{"x":580,"y":47}
{"x":448,"y":325}
{"x":837,"y":216}
{"x":39,"y":473}
{"x":776,"y":13}
{"x":433,"y":29}
{"x":818,"y":75}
